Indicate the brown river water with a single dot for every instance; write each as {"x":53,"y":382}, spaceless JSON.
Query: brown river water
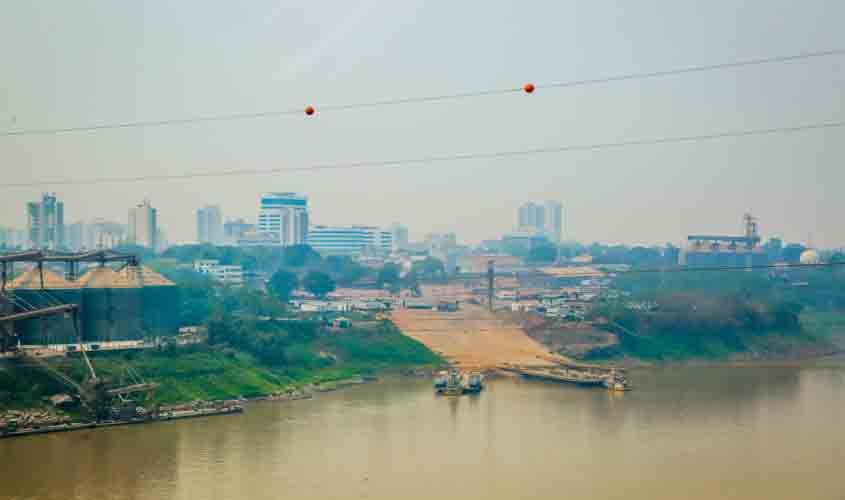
{"x":697,"y":433}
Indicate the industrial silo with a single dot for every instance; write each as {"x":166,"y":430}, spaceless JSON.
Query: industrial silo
{"x":160,"y":301}
{"x":112,"y":308}
{"x":27,"y":294}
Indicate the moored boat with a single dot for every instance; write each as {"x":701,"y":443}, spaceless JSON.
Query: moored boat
{"x":473,"y":383}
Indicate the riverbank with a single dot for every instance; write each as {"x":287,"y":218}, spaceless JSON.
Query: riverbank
{"x":821,"y":334}
{"x":220,"y":372}
{"x":474,"y":338}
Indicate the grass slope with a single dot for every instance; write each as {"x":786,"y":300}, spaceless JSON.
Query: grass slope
{"x":203,"y":372}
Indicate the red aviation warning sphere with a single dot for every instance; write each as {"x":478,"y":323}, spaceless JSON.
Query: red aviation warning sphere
{"x":309,"y":110}
{"x":528,"y":88}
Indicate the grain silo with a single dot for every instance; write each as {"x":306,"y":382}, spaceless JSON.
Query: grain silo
{"x":112,"y":308}
{"x":159,"y":300}
{"x":27,"y":293}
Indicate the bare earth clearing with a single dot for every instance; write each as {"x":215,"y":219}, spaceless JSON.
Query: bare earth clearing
{"x":473,"y":337}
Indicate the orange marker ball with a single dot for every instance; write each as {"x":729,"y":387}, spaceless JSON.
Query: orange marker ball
{"x":309,"y":110}
{"x":528,"y":88}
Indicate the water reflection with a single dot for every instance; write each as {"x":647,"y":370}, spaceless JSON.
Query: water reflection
{"x":683,"y":432}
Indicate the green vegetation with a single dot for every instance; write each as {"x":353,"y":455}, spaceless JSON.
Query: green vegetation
{"x":250,"y":350}
{"x":318,"y":283}
{"x":720,"y":315}
{"x":231,"y":367}
{"x":543,"y":254}
{"x":344,"y":269}
{"x":389,"y":274}
{"x":429,"y":269}
{"x":283,"y":283}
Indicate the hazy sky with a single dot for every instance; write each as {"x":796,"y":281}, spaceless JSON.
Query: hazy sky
{"x":87,"y":62}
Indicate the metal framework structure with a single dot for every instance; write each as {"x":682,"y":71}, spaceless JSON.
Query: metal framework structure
{"x":94,"y":396}
{"x":71,"y":261}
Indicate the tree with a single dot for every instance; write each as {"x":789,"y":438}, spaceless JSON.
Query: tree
{"x":300,"y":255}
{"x":282,"y":283}
{"x":411,"y":281}
{"x":544,"y":253}
{"x":430,"y":268}
{"x":345,"y":270}
{"x":197,"y":297}
{"x":388,"y":275}
{"x":643,"y":257}
{"x":792,"y":252}
{"x":143,"y":253}
{"x":318,"y":283}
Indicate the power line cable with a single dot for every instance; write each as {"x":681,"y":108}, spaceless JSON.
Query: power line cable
{"x":428,"y":160}
{"x":422,"y":99}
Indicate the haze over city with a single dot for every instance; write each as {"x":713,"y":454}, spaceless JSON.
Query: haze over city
{"x":97,"y":62}
{"x":475,"y":250}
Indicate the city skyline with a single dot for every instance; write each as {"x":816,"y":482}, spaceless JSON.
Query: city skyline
{"x":789,"y":181}
{"x":115,"y":236}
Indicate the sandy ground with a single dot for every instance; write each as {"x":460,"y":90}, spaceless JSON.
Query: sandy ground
{"x":473,"y":337}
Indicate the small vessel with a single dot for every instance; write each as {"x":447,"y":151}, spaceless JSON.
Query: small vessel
{"x":440,"y":380}
{"x":617,"y":382}
{"x":455,"y":383}
{"x":473,"y":383}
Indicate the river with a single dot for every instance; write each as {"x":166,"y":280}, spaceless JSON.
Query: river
{"x":697,"y":433}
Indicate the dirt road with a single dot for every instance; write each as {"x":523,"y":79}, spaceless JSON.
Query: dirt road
{"x":472,"y":337}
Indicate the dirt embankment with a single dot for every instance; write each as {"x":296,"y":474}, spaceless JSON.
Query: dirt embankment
{"x":569,"y":338}
{"x":473,"y":337}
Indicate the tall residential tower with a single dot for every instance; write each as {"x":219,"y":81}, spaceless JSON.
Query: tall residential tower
{"x":142,"y":225}
{"x":210,"y":225}
{"x":545,"y":218}
{"x":45,"y":223}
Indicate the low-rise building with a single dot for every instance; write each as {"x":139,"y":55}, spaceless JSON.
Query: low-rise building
{"x":317,"y":306}
{"x":227,"y":274}
{"x":355,"y":240}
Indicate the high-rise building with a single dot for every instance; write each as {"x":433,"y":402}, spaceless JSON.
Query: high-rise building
{"x":142,"y":225}
{"x":12,"y":239}
{"x":330,"y":240}
{"x":400,"y":236}
{"x":554,"y":220}
{"x":283,"y":218}
{"x":546,"y":218}
{"x":210,"y":225}
{"x":531,"y":216}
{"x":101,"y":234}
{"x":235,"y":230}
{"x":45,"y":223}
{"x":75,"y":236}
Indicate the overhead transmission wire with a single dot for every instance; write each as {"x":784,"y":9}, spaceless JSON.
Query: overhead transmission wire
{"x":423,"y":99}
{"x":429,"y":160}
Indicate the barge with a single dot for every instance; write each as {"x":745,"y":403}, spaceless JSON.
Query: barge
{"x":11,"y":431}
{"x":612,"y":380}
